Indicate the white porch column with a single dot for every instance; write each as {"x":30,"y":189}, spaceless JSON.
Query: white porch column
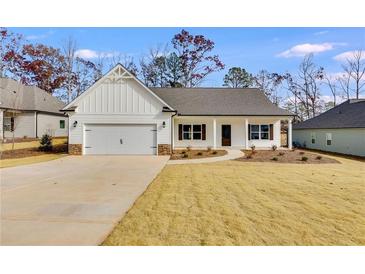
{"x":246,"y":133}
{"x":172,"y":124}
{"x":289,"y":134}
{"x":214,"y":133}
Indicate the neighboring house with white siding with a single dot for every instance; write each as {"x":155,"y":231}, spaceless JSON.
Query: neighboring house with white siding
{"x":120,"y":115}
{"x":27,"y":111}
{"x":340,"y":129}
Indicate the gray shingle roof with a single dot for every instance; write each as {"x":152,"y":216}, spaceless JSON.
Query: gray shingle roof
{"x":27,"y":97}
{"x":350,"y":114}
{"x":219,"y":101}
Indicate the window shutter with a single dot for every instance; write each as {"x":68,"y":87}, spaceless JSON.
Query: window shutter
{"x":271,"y":132}
{"x":249,"y":131}
{"x":12,"y":124}
{"x":203,"y":132}
{"x":180,"y":131}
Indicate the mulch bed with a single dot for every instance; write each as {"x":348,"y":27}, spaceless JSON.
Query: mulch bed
{"x":28,"y":152}
{"x":196,"y":154}
{"x":286,"y":156}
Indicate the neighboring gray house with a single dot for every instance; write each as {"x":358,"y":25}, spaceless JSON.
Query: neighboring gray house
{"x":29,"y":112}
{"x":340,"y":129}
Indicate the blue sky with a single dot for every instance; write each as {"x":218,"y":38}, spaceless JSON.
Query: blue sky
{"x":273,"y":49}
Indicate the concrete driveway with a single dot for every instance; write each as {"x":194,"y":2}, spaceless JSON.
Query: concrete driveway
{"x":75,"y":200}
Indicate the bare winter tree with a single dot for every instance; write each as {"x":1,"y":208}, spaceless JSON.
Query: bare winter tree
{"x":304,"y":87}
{"x":69,"y":50}
{"x":345,"y":85}
{"x":126,"y":60}
{"x":355,"y":68}
{"x":269,"y":83}
{"x":332,"y":83}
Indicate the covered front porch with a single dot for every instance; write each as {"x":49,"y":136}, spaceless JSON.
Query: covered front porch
{"x":240,"y":132}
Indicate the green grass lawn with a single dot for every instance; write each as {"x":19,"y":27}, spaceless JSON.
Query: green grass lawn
{"x":239,"y":203}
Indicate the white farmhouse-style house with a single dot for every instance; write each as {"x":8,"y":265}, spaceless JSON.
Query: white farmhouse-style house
{"x":120,"y":115}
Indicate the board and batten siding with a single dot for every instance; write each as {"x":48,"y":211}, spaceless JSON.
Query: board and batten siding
{"x":347,"y":141}
{"x":119,"y":102}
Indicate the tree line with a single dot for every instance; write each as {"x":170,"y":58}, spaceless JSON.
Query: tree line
{"x":184,"y":62}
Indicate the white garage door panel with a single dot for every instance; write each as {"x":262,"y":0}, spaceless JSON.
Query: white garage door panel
{"x":120,"y":139}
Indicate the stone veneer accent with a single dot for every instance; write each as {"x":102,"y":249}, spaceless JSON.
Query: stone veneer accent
{"x":164,"y":149}
{"x":75,"y":149}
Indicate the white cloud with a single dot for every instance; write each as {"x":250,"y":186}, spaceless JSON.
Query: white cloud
{"x":348,"y":55}
{"x":321,"y":32}
{"x":92,"y":54}
{"x":307,"y":48}
{"x":39,"y":36}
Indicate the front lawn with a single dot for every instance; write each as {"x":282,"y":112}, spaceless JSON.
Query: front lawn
{"x":243,"y":203}
{"x":31,"y":144}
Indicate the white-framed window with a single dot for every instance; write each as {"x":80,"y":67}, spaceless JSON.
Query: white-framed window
{"x":186,"y":132}
{"x":8,"y":124}
{"x":193,"y":131}
{"x":260,"y":132}
{"x":197,"y":132}
{"x":328,"y":139}
{"x":313,"y":137}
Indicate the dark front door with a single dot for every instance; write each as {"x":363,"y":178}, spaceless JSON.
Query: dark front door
{"x":226,"y":135}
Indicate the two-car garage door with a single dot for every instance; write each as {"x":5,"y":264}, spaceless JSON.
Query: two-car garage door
{"x":120,"y":139}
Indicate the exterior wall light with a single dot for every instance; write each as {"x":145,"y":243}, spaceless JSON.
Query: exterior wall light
{"x":75,"y":124}
{"x":163,"y":124}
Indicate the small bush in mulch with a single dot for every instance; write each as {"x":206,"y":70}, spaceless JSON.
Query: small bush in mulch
{"x":183,"y":152}
{"x":199,"y":153}
{"x":319,"y":157}
{"x":45,"y":143}
{"x":286,"y":157}
{"x":214,"y":152}
{"x":301,"y":153}
{"x":274,"y":147}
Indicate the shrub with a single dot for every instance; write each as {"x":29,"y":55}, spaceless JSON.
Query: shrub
{"x":183,"y":152}
{"x":319,"y":157}
{"x":253,"y":147}
{"x":304,"y":159}
{"x":274,"y":147}
{"x":274,"y":158}
{"x":209,"y":148}
{"x":185,"y":155}
{"x":45,"y":143}
{"x":199,"y":153}
{"x":301,"y":153}
{"x":214,"y":152}
{"x":188,"y":148}
{"x":281,"y":153}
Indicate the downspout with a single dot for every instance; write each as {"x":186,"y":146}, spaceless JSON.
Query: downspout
{"x":36,"y":124}
{"x":172,"y":130}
